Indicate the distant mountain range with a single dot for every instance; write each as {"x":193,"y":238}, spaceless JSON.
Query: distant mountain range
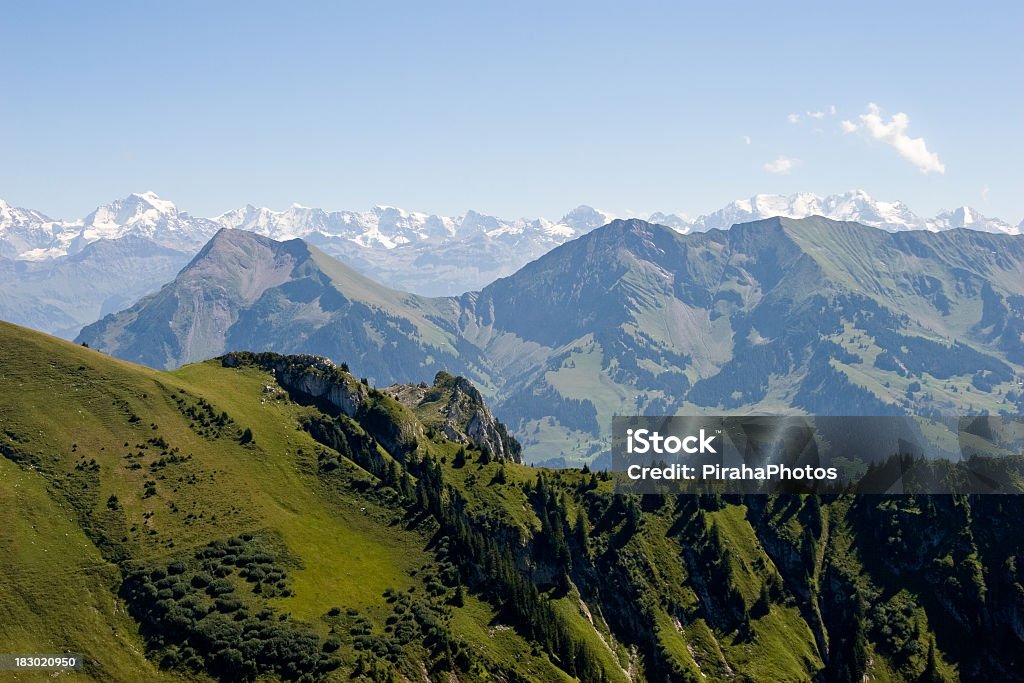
{"x":54,"y":278}
{"x":856,"y":206}
{"x":429,"y":254}
{"x":778,"y":315}
{"x":27,"y":234}
{"x":52,"y":281}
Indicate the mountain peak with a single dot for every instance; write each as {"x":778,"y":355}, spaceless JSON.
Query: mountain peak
{"x":237,"y":241}
{"x":150,"y":196}
{"x":474,"y":222}
{"x":146,"y":201}
{"x":635,"y":224}
{"x":967,"y":217}
{"x":228,"y":235}
{"x":136,"y":206}
{"x":585,"y":217}
{"x":386,"y":208}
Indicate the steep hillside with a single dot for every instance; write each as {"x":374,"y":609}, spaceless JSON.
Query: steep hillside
{"x":263,"y":515}
{"x":243,"y":291}
{"x":202,"y":487}
{"x":779,"y":315}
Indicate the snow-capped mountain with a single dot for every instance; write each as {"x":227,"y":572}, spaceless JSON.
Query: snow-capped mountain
{"x":421,"y":252}
{"x":23,"y":230}
{"x":852,"y":206}
{"x":857,"y":206}
{"x":414,"y":251}
{"x":966,"y":217}
{"x":31,"y":236}
{"x":381,"y":227}
{"x":389,"y":227}
{"x":147,"y":215}
{"x":427,"y":253}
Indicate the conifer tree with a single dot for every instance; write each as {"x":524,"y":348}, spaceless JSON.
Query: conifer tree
{"x":931,"y":672}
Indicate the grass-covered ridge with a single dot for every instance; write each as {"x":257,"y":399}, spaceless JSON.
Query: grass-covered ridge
{"x":141,"y":469}
{"x":270,"y":517}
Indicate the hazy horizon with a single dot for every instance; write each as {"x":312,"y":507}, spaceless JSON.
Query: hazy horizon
{"x":642,"y":214}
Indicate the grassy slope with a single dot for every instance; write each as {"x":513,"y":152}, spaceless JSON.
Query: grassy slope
{"x":783,"y":643}
{"x":56,"y":591}
{"x":417,"y":308}
{"x":347,"y":550}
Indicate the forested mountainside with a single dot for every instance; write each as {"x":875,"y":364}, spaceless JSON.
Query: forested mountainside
{"x":272,"y":516}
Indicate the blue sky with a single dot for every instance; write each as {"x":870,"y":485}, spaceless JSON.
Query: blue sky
{"x":517,"y":109}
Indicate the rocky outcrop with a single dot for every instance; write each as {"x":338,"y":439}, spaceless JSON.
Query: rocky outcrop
{"x":309,"y":378}
{"x":461,"y":414}
{"x":464,"y":416}
{"x":313,"y":376}
{"x":468,"y":416}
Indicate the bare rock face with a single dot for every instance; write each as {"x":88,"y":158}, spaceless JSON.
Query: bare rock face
{"x":320,"y":378}
{"x":466,"y":408}
{"x":455,"y":408}
{"x":461,"y":414}
{"x":314,"y":376}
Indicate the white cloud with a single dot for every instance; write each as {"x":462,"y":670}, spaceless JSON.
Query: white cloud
{"x":984,"y":193}
{"x":746,"y":140}
{"x":781,"y":166}
{"x":830,"y":110}
{"x":894,"y":134}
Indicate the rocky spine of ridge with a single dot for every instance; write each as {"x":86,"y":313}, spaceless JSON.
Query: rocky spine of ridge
{"x":465,"y":415}
{"x":313,"y":376}
{"x":310,"y":378}
{"x":467,"y":419}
